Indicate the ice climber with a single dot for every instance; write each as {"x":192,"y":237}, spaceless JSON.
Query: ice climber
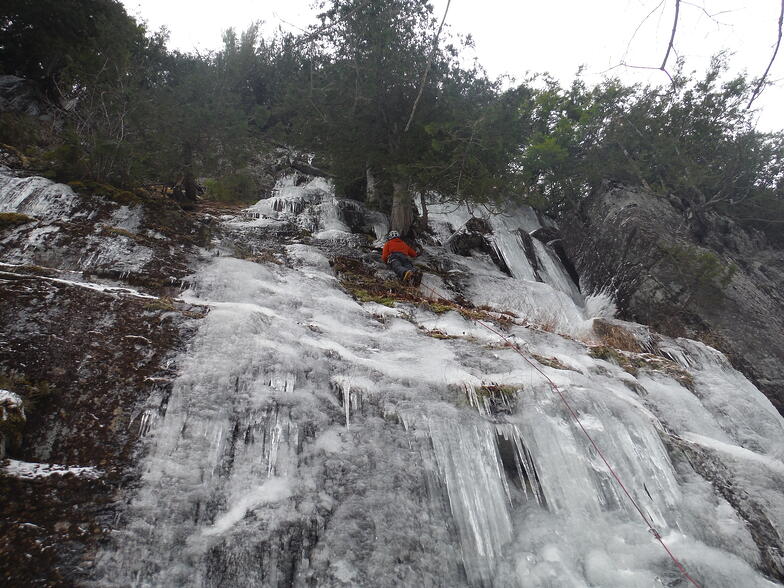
{"x":398,"y":254}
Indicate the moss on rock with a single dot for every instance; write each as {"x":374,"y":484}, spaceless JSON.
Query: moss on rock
{"x":9,"y":220}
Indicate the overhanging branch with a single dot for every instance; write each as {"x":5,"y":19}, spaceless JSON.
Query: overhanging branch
{"x":427,"y":69}
{"x":761,"y":83}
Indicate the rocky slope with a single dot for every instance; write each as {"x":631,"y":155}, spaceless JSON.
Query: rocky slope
{"x":292,"y":416}
{"x":711,"y":280}
{"x":89,"y":333}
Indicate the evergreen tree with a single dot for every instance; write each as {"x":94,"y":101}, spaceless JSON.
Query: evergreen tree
{"x":394,"y":111}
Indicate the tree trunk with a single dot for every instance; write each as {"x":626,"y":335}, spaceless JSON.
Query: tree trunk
{"x":190,"y":186}
{"x":189,"y":181}
{"x":371,"y":193}
{"x":402,"y":208}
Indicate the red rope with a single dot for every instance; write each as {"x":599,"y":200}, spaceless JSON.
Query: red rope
{"x":571,"y":410}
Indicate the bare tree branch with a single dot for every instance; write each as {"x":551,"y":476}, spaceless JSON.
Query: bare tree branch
{"x":649,"y":67}
{"x":427,"y":69}
{"x":761,"y":83}
{"x":672,"y":37}
{"x":708,"y":14}
{"x":670,"y":45}
{"x":315,"y":33}
{"x":639,"y":26}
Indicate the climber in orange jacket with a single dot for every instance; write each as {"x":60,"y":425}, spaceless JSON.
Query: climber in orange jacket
{"x":398,"y":254}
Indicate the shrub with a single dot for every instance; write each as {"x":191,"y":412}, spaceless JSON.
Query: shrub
{"x":237,"y":187}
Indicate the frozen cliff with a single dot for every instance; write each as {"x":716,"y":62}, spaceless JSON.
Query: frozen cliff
{"x":325,"y":427}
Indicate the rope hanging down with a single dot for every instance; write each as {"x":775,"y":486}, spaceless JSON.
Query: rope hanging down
{"x":573,"y":413}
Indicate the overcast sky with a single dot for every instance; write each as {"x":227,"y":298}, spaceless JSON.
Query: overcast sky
{"x":514,"y":37}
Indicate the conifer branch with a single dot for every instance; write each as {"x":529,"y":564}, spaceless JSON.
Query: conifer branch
{"x":427,"y":69}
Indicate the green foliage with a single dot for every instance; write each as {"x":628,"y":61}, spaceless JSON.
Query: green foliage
{"x":355,"y":92}
{"x":704,"y":274}
{"x":235,"y":187}
{"x":694,"y":140}
{"x":66,"y":44}
{"x":346,"y":90}
{"x":65,"y":161}
{"x":19,"y":130}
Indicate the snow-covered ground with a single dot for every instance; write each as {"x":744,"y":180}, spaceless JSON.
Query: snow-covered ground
{"x":314,"y":440}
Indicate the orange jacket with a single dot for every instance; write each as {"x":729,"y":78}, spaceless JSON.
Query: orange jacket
{"x":396,"y":245}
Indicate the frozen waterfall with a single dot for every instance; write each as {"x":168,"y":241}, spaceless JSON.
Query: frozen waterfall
{"x":312,"y":440}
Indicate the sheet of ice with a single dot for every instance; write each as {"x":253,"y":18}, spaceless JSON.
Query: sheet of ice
{"x":37,"y":197}
{"x":273,"y":490}
{"x":105,"y":288}
{"x":359,"y":435}
{"x":127,"y":218}
{"x":506,"y":227}
{"x":469,"y":464}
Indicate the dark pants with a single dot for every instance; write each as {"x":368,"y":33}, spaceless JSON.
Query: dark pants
{"x":400,"y":263}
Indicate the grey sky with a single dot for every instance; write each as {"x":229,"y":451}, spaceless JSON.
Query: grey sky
{"x":515,"y":37}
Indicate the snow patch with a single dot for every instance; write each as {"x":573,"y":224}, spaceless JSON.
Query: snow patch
{"x":31,"y":471}
{"x":9,"y":401}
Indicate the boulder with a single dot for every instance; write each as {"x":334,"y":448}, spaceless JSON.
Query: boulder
{"x":476,"y":235}
{"x":20,"y":95}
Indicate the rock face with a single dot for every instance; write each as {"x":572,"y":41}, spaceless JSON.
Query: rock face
{"x":709,"y":279}
{"x":88,"y":338}
{"x":20,"y":95}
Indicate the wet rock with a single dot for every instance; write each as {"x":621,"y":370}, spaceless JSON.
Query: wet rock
{"x":476,"y":235}
{"x":20,"y":95}
{"x":142,"y":239}
{"x":84,"y":350}
{"x":715,"y":282}
{"x":530,"y":253}
{"x":546,"y":234}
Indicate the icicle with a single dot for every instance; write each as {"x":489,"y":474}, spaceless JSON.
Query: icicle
{"x":478,"y":494}
{"x":347,"y":403}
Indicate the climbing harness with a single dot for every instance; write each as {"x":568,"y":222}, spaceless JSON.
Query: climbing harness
{"x":573,"y":413}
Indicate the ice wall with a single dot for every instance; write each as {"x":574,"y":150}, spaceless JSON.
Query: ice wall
{"x":36,"y":197}
{"x":74,"y":232}
{"x":313,"y":440}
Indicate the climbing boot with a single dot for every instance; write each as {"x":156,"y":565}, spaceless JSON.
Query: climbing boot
{"x":408,"y":276}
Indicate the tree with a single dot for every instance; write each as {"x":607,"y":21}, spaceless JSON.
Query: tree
{"x":394,"y":111}
{"x":693,"y":141}
{"x":195,"y":123}
{"x":65,"y":44}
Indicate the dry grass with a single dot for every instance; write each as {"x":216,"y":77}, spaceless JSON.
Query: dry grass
{"x":259,"y":256}
{"x":164,"y":304}
{"x":552,"y":362}
{"x":616,"y":336}
{"x":632,"y":363}
{"x":9,"y":220}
